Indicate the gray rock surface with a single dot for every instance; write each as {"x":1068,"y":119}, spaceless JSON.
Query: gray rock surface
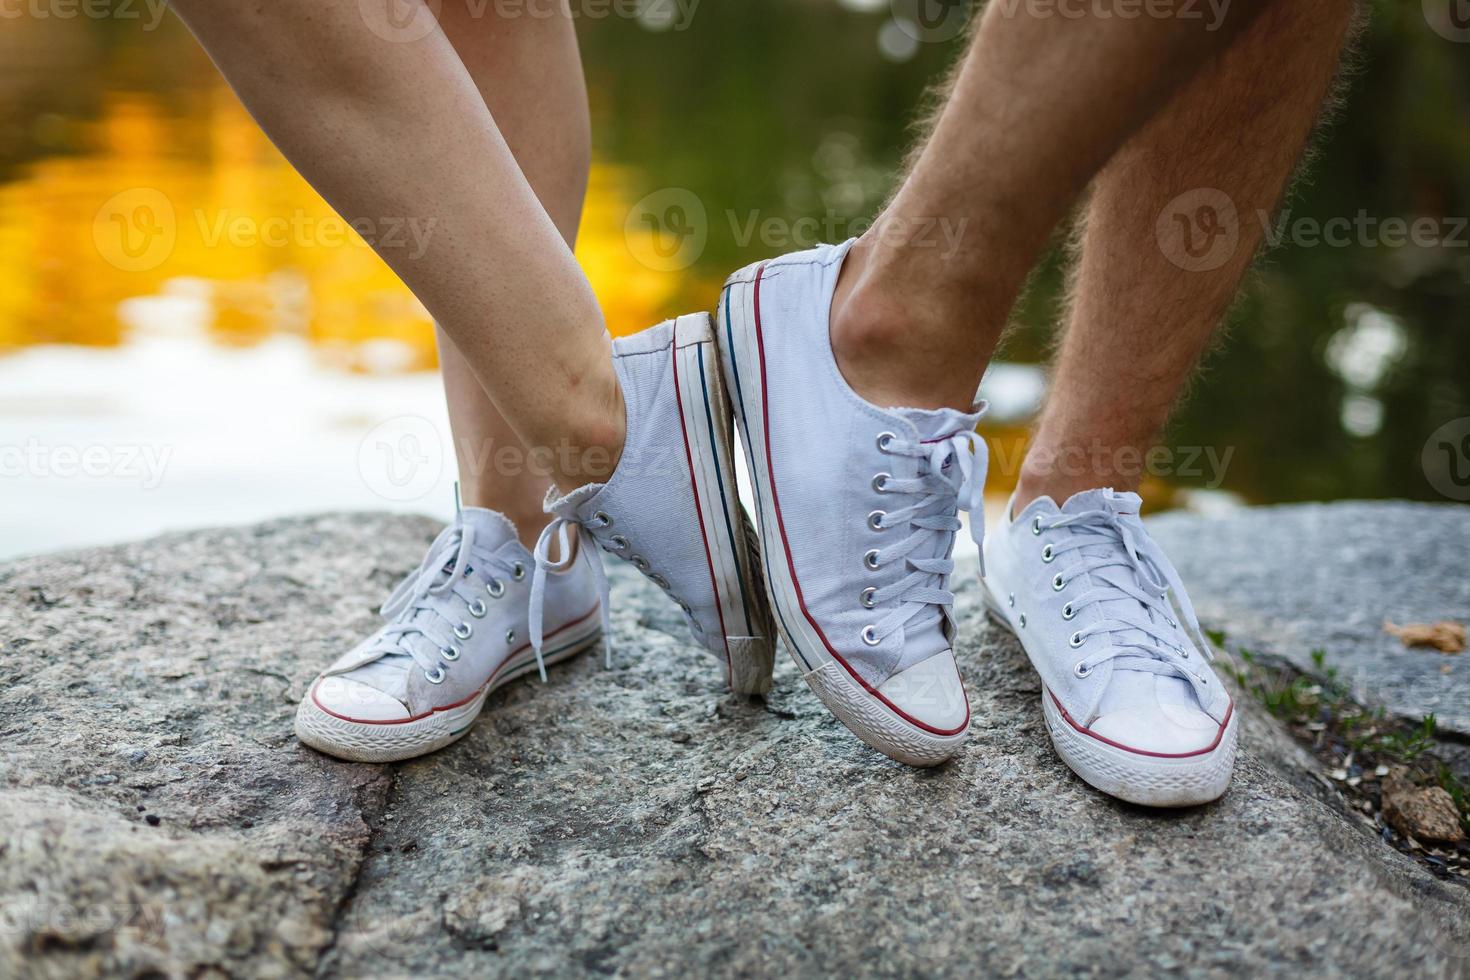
{"x":157,"y":817}
{"x":1288,"y":580}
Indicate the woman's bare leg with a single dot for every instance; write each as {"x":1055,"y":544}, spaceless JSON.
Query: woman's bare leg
{"x":381,"y":122}
{"x":530,"y":76}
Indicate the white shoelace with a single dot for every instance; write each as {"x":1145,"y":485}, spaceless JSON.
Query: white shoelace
{"x":425,"y":589}
{"x":558,"y":529}
{"x":1133,"y":567}
{"x":924,"y":594}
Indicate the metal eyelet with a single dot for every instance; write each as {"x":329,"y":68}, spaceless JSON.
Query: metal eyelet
{"x":619,"y":542}
{"x":880,"y":481}
{"x":870,"y":636}
{"x":875,"y":520}
{"x":510,"y":636}
{"x":1075,"y":640}
{"x":602,"y":519}
{"x":437,"y":677}
{"x":518,"y":572}
{"x":478,"y":608}
{"x":495,"y":588}
{"x":1023,"y":620}
{"x":1036,"y":524}
{"x":1047,"y":555}
{"x":1081,"y":671}
{"x":640,"y":563}
{"x":464,"y":631}
{"x":450,"y":653}
{"x":1058,"y":583}
{"x":1068,"y":612}
{"x":871,"y":560}
{"x":659,"y":580}
{"x":885,"y":439}
{"x":1011,"y":599}
{"x":866,"y":597}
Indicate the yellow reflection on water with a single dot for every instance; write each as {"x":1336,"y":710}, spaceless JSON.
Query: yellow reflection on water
{"x":83,"y":233}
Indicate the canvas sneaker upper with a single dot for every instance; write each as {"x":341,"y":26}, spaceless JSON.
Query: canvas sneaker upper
{"x":670,"y":508}
{"x":452,"y":622}
{"x":860,"y":502}
{"x":1090,"y":593}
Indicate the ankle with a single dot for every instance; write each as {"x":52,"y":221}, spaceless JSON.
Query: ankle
{"x":1059,"y":472}
{"x":593,"y":436}
{"x":896,"y":345}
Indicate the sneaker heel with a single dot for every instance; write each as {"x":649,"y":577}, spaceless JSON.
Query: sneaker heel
{"x":753,"y":658}
{"x":730,"y":541}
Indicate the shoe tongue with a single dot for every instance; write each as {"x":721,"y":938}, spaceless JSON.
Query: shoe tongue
{"x":1103,"y":498}
{"x":492,"y":529}
{"x":938,"y":423}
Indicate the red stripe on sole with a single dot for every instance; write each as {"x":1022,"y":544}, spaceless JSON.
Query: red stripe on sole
{"x":1220,"y":734}
{"x":462,"y":701}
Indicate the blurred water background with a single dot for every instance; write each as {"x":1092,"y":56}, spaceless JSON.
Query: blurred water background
{"x":188,"y":335}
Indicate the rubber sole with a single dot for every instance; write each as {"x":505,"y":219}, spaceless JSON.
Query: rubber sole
{"x":1147,"y":780}
{"x":356,"y":741}
{"x":845,"y":694}
{"x":730,"y":543}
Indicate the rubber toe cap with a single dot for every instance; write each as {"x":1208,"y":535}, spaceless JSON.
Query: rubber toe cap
{"x":931,"y":693}
{"x":1169,"y":729}
{"x":356,"y":701}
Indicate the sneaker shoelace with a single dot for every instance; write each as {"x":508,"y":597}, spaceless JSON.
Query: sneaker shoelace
{"x":1127,"y":563}
{"x":950,"y":480}
{"x":418,"y":607}
{"x":560,"y":530}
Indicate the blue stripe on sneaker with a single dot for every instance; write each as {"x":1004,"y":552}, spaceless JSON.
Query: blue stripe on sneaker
{"x":735,"y":544}
{"x":755,"y":482}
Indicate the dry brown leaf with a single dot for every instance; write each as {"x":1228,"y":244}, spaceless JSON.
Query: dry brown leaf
{"x":1445,"y":636}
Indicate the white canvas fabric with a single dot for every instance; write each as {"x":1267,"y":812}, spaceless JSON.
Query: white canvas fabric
{"x":858,"y":509}
{"x":1130,"y":699}
{"x":458,"y":627}
{"x":671,"y":508}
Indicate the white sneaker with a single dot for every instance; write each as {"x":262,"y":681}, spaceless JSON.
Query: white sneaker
{"x":858,"y":511}
{"x":1128,"y":694}
{"x":671,"y":507}
{"x":458,"y":628}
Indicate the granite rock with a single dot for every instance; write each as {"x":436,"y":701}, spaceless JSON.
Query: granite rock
{"x":1287,"y":580}
{"x":157,"y":817}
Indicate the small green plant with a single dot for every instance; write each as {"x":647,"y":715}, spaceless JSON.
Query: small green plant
{"x":1355,"y":743}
